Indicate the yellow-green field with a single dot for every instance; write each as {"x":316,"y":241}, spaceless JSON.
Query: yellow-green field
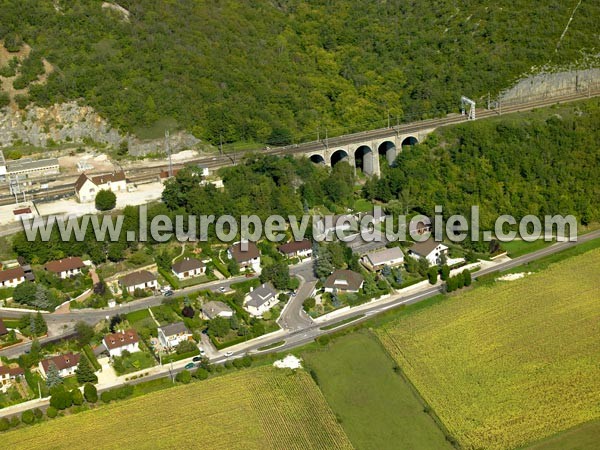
{"x":510,"y":363}
{"x":253,"y":409}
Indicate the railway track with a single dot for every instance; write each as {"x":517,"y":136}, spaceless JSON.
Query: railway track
{"x":135,"y":175}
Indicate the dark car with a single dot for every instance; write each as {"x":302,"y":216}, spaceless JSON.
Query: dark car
{"x":168,"y":293}
{"x":197,"y":358}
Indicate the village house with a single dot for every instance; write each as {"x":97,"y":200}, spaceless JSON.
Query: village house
{"x":171,"y":335}
{"x":376,"y":261}
{"x":297,"y":249}
{"x":117,"y":343}
{"x":188,"y":268}
{"x":344,"y":281}
{"x":431,"y":250}
{"x":65,"y":364}
{"x":65,"y":268}
{"x":11,"y":277}
{"x":214,"y":309}
{"x":86,"y":187}
{"x":138,"y":280}
{"x":8,"y":375}
{"x":260,"y":300}
{"x":248,"y":258}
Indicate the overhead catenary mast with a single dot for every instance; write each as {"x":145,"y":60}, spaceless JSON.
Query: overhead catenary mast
{"x":168,"y":151}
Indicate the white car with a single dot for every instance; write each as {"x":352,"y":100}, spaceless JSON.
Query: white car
{"x":222,"y":289}
{"x":228,"y":354}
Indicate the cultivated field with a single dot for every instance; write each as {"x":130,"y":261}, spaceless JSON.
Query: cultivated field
{"x":377,"y":407}
{"x":510,"y":363}
{"x":254,"y":409}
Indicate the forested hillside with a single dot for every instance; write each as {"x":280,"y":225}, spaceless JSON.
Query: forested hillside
{"x":273,"y":71}
{"x":544,"y":162}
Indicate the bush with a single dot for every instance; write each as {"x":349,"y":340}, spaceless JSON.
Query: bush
{"x":432,"y":275}
{"x":105,"y":200}
{"x":246,"y":361}
{"x":14,"y":421}
{"x":28,"y":417}
{"x":184,"y":376}
{"x":238,"y":364}
{"x":90,"y":392}
{"x":186,"y":347}
{"x":4,"y":99}
{"x":51,"y":412}
{"x":107,"y":396}
{"x":60,"y":398}
{"x":201,"y":374}
{"x":4,"y":424}
{"x":467,"y":277}
{"x":77,"y":397}
{"x":37,"y":412}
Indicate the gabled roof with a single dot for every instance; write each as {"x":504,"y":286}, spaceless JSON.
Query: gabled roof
{"x":121,"y":339}
{"x":384,"y":256}
{"x":261,"y":295}
{"x":61,"y":265}
{"x":187,"y":264}
{"x":135,"y":278}
{"x":12,"y":372}
{"x":81,"y":181}
{"x":61,"y":362}
{"x":426,"y":247}
{"x":242,"y":256}
{"x":108,"y":178}
{"x":98,"y":180}
{"x":346,"y":280}
{"x":295,"y":246}
{"x":214,"y":308}
{"x":174,"y":328}
{"x":11,"y":274}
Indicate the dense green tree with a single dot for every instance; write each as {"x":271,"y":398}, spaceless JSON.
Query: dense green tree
{"x":76,"y":397}
{"x":105,"y":200}
{"x":85,"y":372}
{"x":85,"y":333}
{"x":53,"y":378}
{"x":90,"y":393}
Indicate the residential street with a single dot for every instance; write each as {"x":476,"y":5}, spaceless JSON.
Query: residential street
{"x":298,"y":337}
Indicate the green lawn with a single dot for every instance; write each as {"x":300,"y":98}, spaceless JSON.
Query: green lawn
{"x":376,"y":406}
{"x":582,"y":437}
{"x":134,"y":362}
{"x":362,"y":205}
{"x":136,"y":316}
{"x":518,"y":247}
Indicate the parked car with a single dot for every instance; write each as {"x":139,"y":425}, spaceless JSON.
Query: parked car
{"x":197,"y":358}
{"x":190,"y":365}
{"x":222,"y":289}
{"x":168,"y":293}
{"x":228,"y":354}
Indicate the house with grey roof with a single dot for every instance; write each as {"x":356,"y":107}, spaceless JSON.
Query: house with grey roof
{"x":142,"y":279}
{"x":260,"y":300}
{"x":213,"y":309}
{"x":344,"y":281}
{"x":170,"y":336}
{"x":388,"y":257}
{"x":431,"y":250}
{"x":188,"y":268}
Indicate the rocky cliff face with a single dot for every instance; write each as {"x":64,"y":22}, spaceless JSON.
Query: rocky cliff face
{"x":70,"y":122}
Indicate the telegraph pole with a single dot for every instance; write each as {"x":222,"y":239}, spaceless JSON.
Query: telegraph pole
{"x":168,"y":150}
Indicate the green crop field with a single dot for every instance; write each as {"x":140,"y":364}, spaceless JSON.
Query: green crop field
{"x":376,"y":406}
{"x":253,"y":409}
{"x":583,"y":437}
{"x":509,"y":363}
